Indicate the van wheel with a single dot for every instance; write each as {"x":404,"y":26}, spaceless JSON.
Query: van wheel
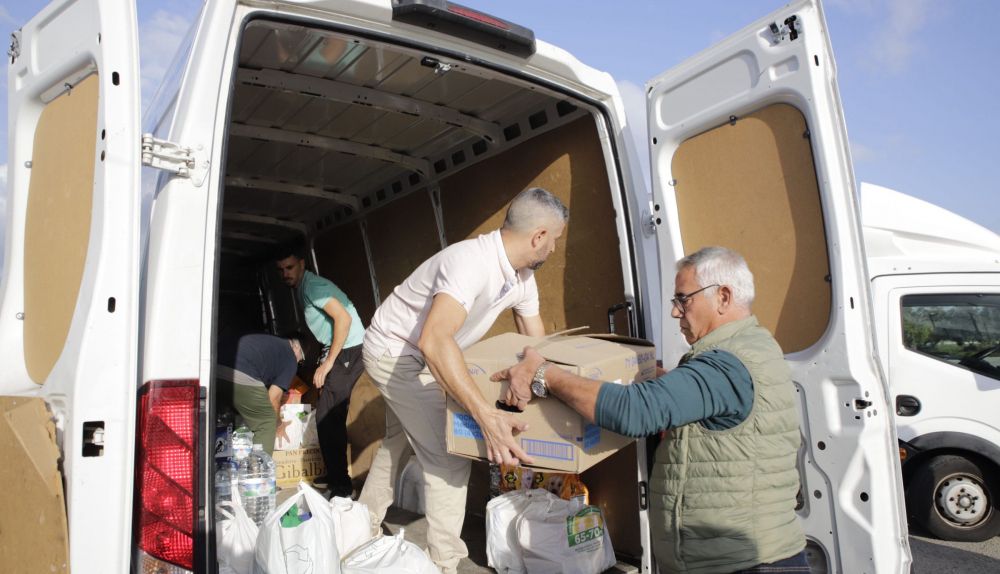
{"x":955,"y":498}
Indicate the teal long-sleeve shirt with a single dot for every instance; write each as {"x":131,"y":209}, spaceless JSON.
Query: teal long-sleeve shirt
{"x":713,"y":387}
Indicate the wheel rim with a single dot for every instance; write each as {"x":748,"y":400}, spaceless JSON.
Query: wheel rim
{"x":963,"y":500}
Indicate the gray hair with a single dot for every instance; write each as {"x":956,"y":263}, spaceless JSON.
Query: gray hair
{"x":532,"y":208}
{"x":722,"y":266}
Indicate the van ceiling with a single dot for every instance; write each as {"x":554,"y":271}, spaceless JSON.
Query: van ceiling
{"x":326,"y":126}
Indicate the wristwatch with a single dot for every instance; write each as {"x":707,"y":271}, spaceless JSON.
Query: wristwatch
{"x":538,"y":387}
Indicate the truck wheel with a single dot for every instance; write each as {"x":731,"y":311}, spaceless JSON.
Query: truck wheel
{"x":955,"y":498}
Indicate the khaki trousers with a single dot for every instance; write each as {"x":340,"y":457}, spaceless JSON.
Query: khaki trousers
{"x":415,"y":423}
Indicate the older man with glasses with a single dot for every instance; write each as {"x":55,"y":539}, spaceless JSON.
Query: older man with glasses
{"x":723,"y":482}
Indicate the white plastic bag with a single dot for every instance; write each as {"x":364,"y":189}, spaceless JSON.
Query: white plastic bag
{"x":309,"y":548}
{"x":352,"y":523}
{"x":564,"y":537}
{"x":301,"y":427}
{"x":389,"y":555}
{"x":503,"y":552}
{"x":235,"y":537}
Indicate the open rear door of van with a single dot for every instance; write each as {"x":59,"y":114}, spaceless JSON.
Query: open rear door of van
{"x":69,"y":292}
{"x":749,"y":151}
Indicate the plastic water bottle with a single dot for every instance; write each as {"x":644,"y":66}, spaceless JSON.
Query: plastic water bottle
{"x":225,"y":476}
{"x":256,"y":477}
{"x":242,"y":442}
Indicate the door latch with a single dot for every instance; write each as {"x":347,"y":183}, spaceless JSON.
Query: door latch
{"x":14,"y":51}
{"x":790,"y":28}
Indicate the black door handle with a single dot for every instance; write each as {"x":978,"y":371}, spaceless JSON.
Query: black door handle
{"x":907,"y":406}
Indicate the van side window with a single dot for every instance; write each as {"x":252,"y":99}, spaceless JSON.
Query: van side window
{"x":961,"y":329}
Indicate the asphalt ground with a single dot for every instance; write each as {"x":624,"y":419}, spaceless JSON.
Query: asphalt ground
{"x":933,"y":556}
{"x":930,"y":556}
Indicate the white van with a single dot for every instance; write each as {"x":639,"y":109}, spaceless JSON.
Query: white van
{"x":936,"y":287}
{"x":380,"y":131}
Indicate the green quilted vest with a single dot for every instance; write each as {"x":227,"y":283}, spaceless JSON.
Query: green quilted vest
{"x":725,"y":500}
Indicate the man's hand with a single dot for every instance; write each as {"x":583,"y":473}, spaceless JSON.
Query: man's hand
{"x":520,"y":377}
{"x":281,"y":432}
{"x":498,"y":431}
{"x":319,"y":377}
{"x":660,"y":371}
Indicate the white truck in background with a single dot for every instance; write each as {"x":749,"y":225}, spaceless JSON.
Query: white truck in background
{"x":936,"y":288}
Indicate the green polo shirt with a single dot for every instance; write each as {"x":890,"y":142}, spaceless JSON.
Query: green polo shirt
{"x":315,"y":292}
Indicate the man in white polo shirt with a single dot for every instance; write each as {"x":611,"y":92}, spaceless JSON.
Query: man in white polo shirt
{"x":413,"y":352}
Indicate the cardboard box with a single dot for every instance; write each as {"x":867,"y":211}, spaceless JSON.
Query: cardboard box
{"x":558,"y":438}
{"x":295,"y":465}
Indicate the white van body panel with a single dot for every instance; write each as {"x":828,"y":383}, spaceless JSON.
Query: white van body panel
{"x":93,"y":379}
{"x":193,"y":110}
{"x":181,"y":254}
{"x":852,"y":487}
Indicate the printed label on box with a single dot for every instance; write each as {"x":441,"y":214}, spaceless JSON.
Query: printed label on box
{"x":547,"y":449}
{"x":591,"y":435}
{"x":466,"y":426}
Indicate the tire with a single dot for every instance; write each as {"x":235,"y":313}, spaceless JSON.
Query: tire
{"x":955,"y":498}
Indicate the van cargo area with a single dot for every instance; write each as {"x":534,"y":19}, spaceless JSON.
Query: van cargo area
{"x":378,"y":155}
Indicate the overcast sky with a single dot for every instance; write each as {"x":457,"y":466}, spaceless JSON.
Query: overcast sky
{"x":917,"y":77}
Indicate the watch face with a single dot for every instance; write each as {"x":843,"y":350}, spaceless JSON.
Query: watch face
{"x":538,"y":389}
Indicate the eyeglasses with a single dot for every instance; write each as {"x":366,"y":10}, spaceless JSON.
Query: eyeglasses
{"x":680,"y":301}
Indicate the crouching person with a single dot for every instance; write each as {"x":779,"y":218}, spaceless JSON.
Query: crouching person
{"x":724,"y":481}
{"x":253,"y":373}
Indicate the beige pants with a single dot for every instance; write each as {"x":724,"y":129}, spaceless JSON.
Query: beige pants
{"x":415,"y":423}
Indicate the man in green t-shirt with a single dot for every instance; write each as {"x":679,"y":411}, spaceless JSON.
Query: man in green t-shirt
{"x":334,"y":322}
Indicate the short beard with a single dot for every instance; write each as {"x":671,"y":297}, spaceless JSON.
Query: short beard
{"x":535,"y":266}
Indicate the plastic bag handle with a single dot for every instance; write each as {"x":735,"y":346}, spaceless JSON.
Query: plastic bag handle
{"x":221,"y":508}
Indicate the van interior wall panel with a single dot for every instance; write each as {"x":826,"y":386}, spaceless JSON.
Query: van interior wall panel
{"x":402,"y":235}
{"x":340,"y":254}
{"x":751,"y":186}
{"x":617,"y":496}
{"x":583,"y":277}
{"x":33,"y":521}
{"x":57,"y":223}
{"x":239,"y":303}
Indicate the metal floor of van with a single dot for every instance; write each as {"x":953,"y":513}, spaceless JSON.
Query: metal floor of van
{"x":473,"y":532}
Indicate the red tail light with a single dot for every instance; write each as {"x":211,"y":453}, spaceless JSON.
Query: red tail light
{"x":167,"y":471}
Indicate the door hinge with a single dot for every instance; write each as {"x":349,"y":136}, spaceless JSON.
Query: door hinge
{"x":15,"y":46}
{"x":173,"y":157}
{"x":649,"y":219}
{"x":790,"y":28}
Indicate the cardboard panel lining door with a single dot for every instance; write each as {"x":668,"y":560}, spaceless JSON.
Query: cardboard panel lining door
{"x":751,"y":186}
{"x":57,"y":224}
